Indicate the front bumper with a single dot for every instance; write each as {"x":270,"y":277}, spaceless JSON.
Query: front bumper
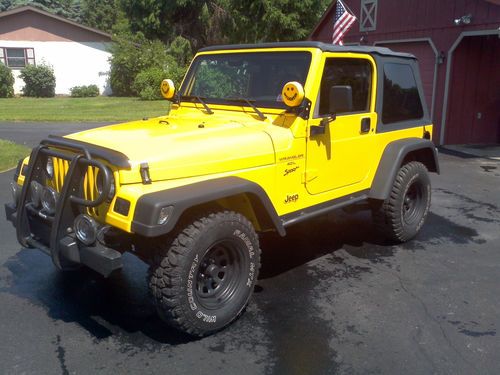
{"x":53,"y":234}
{"x":98,"y":257}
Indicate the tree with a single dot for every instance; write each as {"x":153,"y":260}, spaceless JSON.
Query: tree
{"x":274,"y":20}
{"x":5,"y":5}
{"x":206,"y":22}
{"x":100,"y":14}
{"x":65,"y":8}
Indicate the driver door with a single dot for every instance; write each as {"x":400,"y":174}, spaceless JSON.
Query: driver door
{"x":341,"y":134}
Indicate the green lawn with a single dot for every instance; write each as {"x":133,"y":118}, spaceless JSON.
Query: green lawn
{"x":10,"y":153}
{"x":99,"y":109}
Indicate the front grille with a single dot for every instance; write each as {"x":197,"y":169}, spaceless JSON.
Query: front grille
{"x":61,"y":167}
{"x":89,"y":188}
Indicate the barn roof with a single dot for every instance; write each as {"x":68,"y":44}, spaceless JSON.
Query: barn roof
{"x":309,"y":44}
{"x":29,"y":8}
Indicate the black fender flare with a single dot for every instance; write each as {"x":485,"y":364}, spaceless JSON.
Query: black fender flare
{"x":182,"y":198}
{"x":392,"y":160}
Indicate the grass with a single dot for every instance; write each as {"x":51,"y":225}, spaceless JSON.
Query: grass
{"x":10,"y":153}
{"x":99,"y":109}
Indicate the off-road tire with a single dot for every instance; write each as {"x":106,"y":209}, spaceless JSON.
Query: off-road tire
{"x":203,"y":279}
{"x":401,"y":216}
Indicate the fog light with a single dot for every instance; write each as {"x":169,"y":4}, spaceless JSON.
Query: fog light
{"x":36,"y":190}
{"x":49,"y":168}
{"x":165,"y":213}
{"x":86,"y":229}
{"x":49,"y":200}
{"x":16,"y":191}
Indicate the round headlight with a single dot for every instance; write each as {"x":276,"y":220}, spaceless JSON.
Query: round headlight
{"x":86,"y":229}
{"x":49,"y":168}
{"x":36,"y":193}
{"x":49,"y":200}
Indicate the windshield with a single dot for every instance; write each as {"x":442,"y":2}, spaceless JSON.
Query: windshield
{"x":255,"y":76}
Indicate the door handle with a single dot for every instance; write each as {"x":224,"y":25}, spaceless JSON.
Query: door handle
{"x":365,"y":125}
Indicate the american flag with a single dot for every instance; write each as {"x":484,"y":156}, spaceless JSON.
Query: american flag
{"x":342,"y":24}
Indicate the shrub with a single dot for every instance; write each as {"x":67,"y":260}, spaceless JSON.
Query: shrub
{"x":84,"y":91}
{"x":132,"y":55}
{"x":39,"y":81}
{"x":147,"y":83}
{"x":6,"y":82}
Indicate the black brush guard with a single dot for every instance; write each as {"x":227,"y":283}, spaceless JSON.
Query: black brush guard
{"x":61,"y":244}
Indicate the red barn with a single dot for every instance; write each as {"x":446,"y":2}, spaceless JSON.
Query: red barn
{"x":457,"y":43}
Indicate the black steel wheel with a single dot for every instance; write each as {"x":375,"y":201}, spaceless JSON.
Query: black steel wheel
{"x":203,"y":280}
{"x":218,"y":277}
{"x":401,"y":216}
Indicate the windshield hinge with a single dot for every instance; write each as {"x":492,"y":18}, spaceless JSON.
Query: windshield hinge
{"x":303,"y":111}
{"x":306,"y":109}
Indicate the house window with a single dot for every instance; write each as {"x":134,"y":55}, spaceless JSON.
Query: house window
{"x":17,"y":57}
{"x":368,"y":19}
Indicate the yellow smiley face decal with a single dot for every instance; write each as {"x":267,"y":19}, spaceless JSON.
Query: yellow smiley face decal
{"x":293,"y":94}
{"x":167,"y":88}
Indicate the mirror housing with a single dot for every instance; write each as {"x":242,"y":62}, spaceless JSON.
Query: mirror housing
{"x":167,"y":89}
{"x":293,"y":94}
{"x":340,"y":99}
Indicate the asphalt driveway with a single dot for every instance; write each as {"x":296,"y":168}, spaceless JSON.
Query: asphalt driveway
{"x":333,"y":298}
{"x":30,"y":133}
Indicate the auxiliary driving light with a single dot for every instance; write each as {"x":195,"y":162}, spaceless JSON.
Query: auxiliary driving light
{"x":49,"y":168}
{"x":16,"y":192}
{"x":86,"y":229}
{"x":36,"y":190}
{"x":49,"y":200}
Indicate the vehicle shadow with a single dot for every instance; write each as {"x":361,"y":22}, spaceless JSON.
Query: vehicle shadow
{"x":107,"y":307}
{"x":325,"y":235}
{"x":103,"y":307}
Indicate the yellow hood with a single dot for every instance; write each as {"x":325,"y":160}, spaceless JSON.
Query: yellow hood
{"x":184,"y":147}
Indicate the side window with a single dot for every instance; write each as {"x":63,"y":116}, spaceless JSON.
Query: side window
{"x":353,"y":76}
{"x":401,"y":100}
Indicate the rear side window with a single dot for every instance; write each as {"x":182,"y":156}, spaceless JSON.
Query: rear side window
{"x":401,"y":98}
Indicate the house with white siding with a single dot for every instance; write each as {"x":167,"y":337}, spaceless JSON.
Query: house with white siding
{"x":78,"y":54}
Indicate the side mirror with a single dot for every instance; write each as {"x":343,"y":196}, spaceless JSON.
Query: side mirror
{"x":340,"y":99}
{"x":293,"y":94}
{"x":167,"y":89}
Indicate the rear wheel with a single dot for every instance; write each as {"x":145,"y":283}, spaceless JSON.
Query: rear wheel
{"x":204,"y":280}
{"x":401,"y":216}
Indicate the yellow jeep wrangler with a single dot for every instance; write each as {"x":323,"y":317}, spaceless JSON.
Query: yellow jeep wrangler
{"x":259,"y":138}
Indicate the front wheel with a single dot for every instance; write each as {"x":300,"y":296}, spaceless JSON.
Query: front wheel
{"x":203,"y":281}
{"x":403,"y":213}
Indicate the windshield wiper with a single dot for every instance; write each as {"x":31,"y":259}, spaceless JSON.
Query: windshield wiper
{"x":200,"y":100}
{"x":249,"y":102}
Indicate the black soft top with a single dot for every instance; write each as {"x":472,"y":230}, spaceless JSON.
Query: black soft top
{"x":382,"y":51}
